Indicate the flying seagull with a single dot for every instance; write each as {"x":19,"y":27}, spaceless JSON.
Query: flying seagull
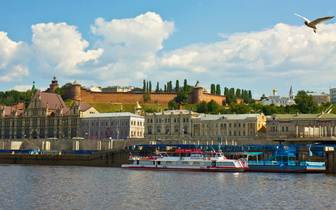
{"x":313,"y":24}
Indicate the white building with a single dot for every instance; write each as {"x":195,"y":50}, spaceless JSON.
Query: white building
{"x":115,"y":125}
{"x":278,"y":100}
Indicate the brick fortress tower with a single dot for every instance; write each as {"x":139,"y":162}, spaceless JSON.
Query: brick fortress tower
{"x":53,"y":86}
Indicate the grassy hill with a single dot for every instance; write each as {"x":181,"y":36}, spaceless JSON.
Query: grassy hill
{"x":115,"y":107}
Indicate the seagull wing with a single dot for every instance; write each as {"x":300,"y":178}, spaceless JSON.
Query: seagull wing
{"x":321,"y":20}
{"x":302,"y":17}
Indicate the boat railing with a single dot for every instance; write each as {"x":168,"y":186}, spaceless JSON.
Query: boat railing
{"x":310,"y":163}
{"x":272,"y":162}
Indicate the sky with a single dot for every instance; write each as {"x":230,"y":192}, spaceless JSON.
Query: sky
{"x":257,"y":45}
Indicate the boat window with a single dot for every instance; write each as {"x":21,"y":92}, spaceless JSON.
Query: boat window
{"x":196,"y":163}
{"x":213,"y":164}
{"x":137,"y":162}
{"x":163,"y":163}
{"x":168,"y":163}
{"x":158,"y":162}
{"x":185,"y":163}
{"x":191,"y":163}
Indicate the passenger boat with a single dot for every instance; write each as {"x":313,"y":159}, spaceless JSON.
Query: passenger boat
{"x":188,"y":159}
{"x":284,"y":160}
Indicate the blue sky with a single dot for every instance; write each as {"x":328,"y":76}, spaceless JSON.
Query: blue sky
{"x":253,"y":45}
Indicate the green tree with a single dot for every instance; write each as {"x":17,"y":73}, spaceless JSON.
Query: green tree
{"x":202,"y":107}
{"x":240,"y":108}
{"x":144,"y":86}
{"x":238,"y":94}
{"x":147,"y":86}
{"x":150,"y":86}
{"x":177,"y":86}
{"x":212,"y":106}
{"x":59,"y":91}
{"x":146,"y":97}
{"x":165,"y":88}
{"x":181,"y":98}
{"x":157,"y":87}
{"x":67,"y":85}
{"x":305,"y":103}
{"x":231,"y":97}
{"x":218,"y":89}
{"x":172,"y":104}
{"x":185,"y":86}
{"x":226,"y":90}
{"x":213,"y":89}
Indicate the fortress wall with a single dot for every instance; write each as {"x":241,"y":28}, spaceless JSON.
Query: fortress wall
{"x":115,"y":97}
{"x":218,"y":98}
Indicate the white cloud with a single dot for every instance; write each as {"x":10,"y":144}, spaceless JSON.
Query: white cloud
{"x":14,"y":59}
{"x":60,"y":48}
{"x":277,"y":54}
{"x":130,"y":45}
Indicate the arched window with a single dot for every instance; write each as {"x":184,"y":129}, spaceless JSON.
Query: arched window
{"x":167,"y":129}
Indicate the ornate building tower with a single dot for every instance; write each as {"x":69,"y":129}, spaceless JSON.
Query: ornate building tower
{"x":291,"y":94}
{"x":53,"y":86}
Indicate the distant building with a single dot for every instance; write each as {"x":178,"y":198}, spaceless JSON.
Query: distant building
{"x":238,"y":128}
{"x":45,"y":117}
{"x":291,"y":126}
{"x":85,"y":108}
{"x":170,"y":123}
{"x":114,"y":125}
{"x":95,"y":89}
{"x":117,"y":89}
{"x":332,"y":92}
{"x":278,"y":100}
{"x":320,"y":98}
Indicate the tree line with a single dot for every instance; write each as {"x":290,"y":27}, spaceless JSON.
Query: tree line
{"x":304,"y":104}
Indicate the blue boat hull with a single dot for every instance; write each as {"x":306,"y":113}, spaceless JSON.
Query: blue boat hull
{"x":286,"y":168}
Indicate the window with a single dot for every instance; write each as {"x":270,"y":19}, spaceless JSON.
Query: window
{"x":167,"y":129}
{"x":176,"y":129}
{"x":150,"y":128}
{"x":158,"y":129}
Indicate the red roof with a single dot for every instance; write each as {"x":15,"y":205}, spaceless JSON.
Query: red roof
{"x":7,"y":109}
{"x":83,"y":106}
{"x":52,"y":100}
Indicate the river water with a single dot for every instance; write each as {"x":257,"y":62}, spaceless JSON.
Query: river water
{"x":69,"y":187}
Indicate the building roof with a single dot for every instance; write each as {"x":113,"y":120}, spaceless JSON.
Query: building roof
{"x":227,"y":116}
{"x":83,"y":106}
{"x":175,"y":112}
{"x":303,"y":116}
{"x":114,"y":114}
{"x":52,"y":100}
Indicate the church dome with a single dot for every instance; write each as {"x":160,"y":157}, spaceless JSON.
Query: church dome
{"x":137,"y":106}
{"x":274,"y":91}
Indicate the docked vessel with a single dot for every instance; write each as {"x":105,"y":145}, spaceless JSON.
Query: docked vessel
{"x":284,"y":160}
{"x":188,"y":159}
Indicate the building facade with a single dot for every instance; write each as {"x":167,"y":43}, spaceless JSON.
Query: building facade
{"x":320,"y":98}
{"x":332,"y":93}
{"x":278,"y":100}
{"x":294,"y":126}
{"x":45,"y":117}
{"x":169,"y":124}
{"x":115,"y":125}
{"x":229,"y":128}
